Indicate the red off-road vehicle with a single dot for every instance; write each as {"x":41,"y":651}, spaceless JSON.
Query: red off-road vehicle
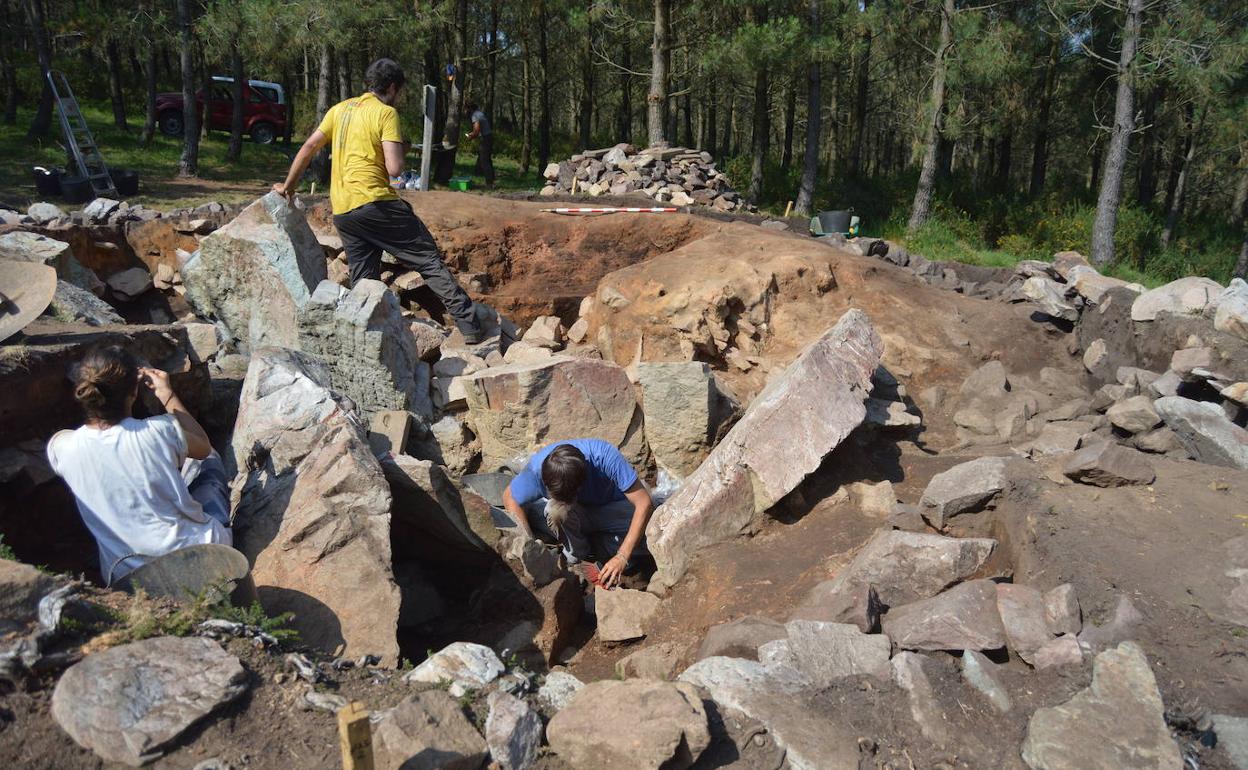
{"x":265,"y":109}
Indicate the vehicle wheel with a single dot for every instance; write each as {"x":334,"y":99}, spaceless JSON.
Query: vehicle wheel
{"x":263,"y":133}
{"x":171,"y":124}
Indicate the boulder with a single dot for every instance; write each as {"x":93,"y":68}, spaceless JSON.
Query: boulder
{"x":1134,"y":415}
{"x":965,"y":487}
{"x":1056,"y":438}
{"x":1184,"y":362}
{"x":988,"y":381}
{"x":1106,"y":464}
{"x":1061,"y":610}
{"x":904,"y":567}
{"x":655,"y":662}
{"x":1022,"y":610}
{"x":41,"y":212}
{"x":1065,"y":261}
{"x":557,"y":690}
{"x":1050,"y":299}
{"x":977,"y":670}
{"x":963,"y":618}
{"x":389,"y":431}
{"x":129,"y":703}
{"x":1232,"y":735}
{"x":254,"y":273}
{"x":740,"y":638}
{"x":447,"y":442}
{"x":362,"y":337}
{"x":427,"y":731}
{"x":128,"y":284}
{"x":856,"y":604}
{"x":313,"y":508}
{"x":23,"y":246}
{"x":513,"y":731}
{"x":624,"y":613}
{"x":21,"y":588}
{"x":518,"y":408}
{"x":685,"y":413}
{"x":1062,"y":651}
{"x":428,"y":336}
{"x":666,"y":726}
{"x":1085,"y":281}
{"x":1205,"y":431}
{"x":435,"y":518}
{"x":1186,"y":296}
{"x":546,"y":331}
{"x":1231,"y":316}
{"x":1116,"y":722}
{"x":826,"y":652}
{"x":462,"y":665}
{"x":71,"y":304}
{"x":801,"y":416}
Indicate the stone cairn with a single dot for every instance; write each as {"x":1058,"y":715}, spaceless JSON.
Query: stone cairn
{"x":675,"y":175}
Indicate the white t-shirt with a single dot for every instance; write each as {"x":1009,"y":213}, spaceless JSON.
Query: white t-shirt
{"x":128,"y":484}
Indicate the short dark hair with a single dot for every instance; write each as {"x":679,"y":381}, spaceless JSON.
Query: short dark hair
{"x":103,"y":382}
{"x":382,"y":74}
{"x":563,"y":472}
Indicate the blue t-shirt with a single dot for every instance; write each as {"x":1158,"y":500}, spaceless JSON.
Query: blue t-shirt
{"x":607,"y":476}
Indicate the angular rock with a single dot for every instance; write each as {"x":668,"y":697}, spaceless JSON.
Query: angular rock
{"x":100,"y":209}
{"x":21,"y":588}
{"x":1184,"y":362}
{"x":858,"y":605}
{"x":890,"y":414}
{"x":434,"y":517}
{"x":1022,"y":611}
{"x":25,"y":246}
{"x":128,"y":284}
{"x":546,"y":332}
{"x":684,"y":413}
{"x":624,"y":613}
{"x":1096,"y":357}
{"x":518,"y":408}
{"x":471,"y":666}
{"x":427,"y":731}
{"x":963,"y":618}
{"x":362,"y":337}
{"x":557,"y":690}
{"x":908,"y":674}
{"x":448,"y":442}
{"x":1085,"y":281}
{"x":1159,"y":441}
{"x":1106,"y":464}
{"x":965,"y":487}
{"x":1056,"y":438}
{"x":513,"y":732}
{"x":667,"y":726}
{"x":904,"y":567}
{"x":128,"y":703}
{"x":388,"y":431}
{"x":740,"y":638}
{"x":43,"y":212}
{"x":826,"y":652}
{"x":1065,"y":261}
{"x":1165,"y":385}
{"x":429,"y":337}
{"x":977,"y":671}
{"x":313,"y":510}
{"x":1051,"y":300}
{"x":1231,"y":316}
{"x":254,"y":273}
{"x":1061,"y":610}
{"x":988,"y":381}
{"x":1205,"y":431}
{"x":803,"y":414}
{"x":1134,"y":415}
{"x":654,"y":662}
{"x":1232,"y":735}
{"x":1186,"y":296}
{"x":540,"y":563}
{"x":1062,"y":651}
{"x":1116,"y":722}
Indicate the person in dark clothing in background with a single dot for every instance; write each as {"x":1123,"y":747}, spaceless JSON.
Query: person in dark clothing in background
{"x":484,"y":134}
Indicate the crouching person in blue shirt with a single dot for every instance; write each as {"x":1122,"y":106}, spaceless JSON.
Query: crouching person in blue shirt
{"x":583,"y":494}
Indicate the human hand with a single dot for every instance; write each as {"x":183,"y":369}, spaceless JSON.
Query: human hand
{"x":612,"y":571}
{"x":157,"y":381}
{"x":281,"y":189}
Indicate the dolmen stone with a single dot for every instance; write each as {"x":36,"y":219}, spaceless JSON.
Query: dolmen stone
{"x":904,"y":567}
{"x":1186,"y":296}
{"x":129,"y":703}
{"x":963,"y":618}
{"x":826,"y":652}
{"x":968,"y":486}
{"x":684,"y":413}
{"x":660,"y":725}
{"x":1116,"y":722}
{"x":313,"y":508}
{"x":1107,"y":464}
{"x":803,"y":414}
{"x":253,"y":274}
{"x":1022,"y":610}
{"x":1205,"y":431}
{"x":740,"y":638}
{"x":427,"y":731}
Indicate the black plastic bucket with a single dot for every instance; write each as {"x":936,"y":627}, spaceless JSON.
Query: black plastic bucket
{"x":125,"y":181}
{"x":834,"y":221}
{"x":76,"y":189}
{"x":47,"y":181}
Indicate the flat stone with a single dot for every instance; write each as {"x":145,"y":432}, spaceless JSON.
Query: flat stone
{"x":1231,"y":316}
{"x":909,"y":674}
{"x":1022,"y":611}
{"x":740,"y":638}
{"x":1056,"y":438}
{"x":1232,"y":735}
{"x":624,"y":613}
{"x":21,"y":588}
{"x":130,"y":283}
{"x":856,"y":604}
{"x":427,"y":731}
{"x":1116,"y":722}
{"x":1049,"y":297}
{"x":1186,"y":296}
{"x":129,"y":703}
{"x":23,"y":246}
{"x":435,"y":516}
{"x":965,"y":487}
{"x":557,"y":690}
{"x":513,"y":732}
{"x":878,"y":500}
{"x":977,"y":670}
{"x":546,"y":331}
{"x":667,"y":726}
{"x":1092,"y":286}
{"x":963,"y":618}
{"x":471,"y":666}
{"x":655,"y":662}
{"x":1205,"y":431}
{"x":1187,"y":361}
{"x":684,"y":413}
{"x":826,"y":652}
{"x":1061,"y":610}
{"x":389,"y":430}
{"x":1062,"y":651}
{"x":578,"y":331}
{"x":429,"y":337}
{"x":1134,"y":415}
{"x":1106,"y":464}
{"x":904,"y":567}
{"x":1159,"y":441}
{"x":801,"y":416}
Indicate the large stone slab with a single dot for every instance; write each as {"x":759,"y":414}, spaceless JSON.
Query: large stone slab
{"x":1088,"y":283}
{"x":828,"y":601}
{"x":254,"y":273}
{"x":740,"y":638}
{"x":462,"y":665}
{"x":963,"y":618}
{"x":433,"y":517}
{"x":1186,"y":296}
{"x":1116,"y":722}
{"x":128,"y":703}
{"x":312,"y":508}
{"x":965,"y":487}
{"x":518,"y":408}
{"x":427,"y":731}
{"x":803,"y":414}
{"x":910,"y":674}
{"x":1022,"y":610}
{"x":1106,"y":464}
{"x":1049,"y":297}
{"x":826,"y":652}
{"x":1205,"y":431}
{"x":362,"y":337}
{"x":904,"y":566}
{"x":684,"y":412}
{"x":662,"y":725}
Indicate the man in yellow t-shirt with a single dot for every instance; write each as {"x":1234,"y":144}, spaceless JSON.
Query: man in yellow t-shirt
{"x":367,"y":149}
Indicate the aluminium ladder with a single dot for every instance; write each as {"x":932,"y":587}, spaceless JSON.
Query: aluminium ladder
{"x":78,"y":136}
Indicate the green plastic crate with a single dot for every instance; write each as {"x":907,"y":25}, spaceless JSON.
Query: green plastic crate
{"x":461,"y":183}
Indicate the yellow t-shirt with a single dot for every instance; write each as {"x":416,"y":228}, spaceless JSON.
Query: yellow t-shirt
{"x":355,"y":130}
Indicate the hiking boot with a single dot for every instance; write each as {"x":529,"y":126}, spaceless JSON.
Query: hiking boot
{"x":474,"y":336}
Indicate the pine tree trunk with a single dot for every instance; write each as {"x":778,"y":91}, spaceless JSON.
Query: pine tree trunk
{"x":862,"y":74}
{"x":790,"y":117}
{"x":834,"y":134}
{"x":188,"y":164}
{"x":455,"y":99}
{"x":320,"y":166}
{"x":922,"y":205}
{"x":810,"y":158}
{"x":543,"y":124}
{"x":344,"y":75}
{"x":235,"y":150}
{"x":725,"y":149}
{"x":759,"y":136}
{"x":149,"y":76}
{"x":586,"y":110}
{"x":624,"y":116}
{"x":711,"y":130}
{"x":492,"y":82}
{"x":656,"y":100}
{"x":8,"y":72}
{"x":526,"y":112}
{"x":43,"y":55}
{"x":1185,"y":162}
{"x":1040,"y":146}
{"x":1241,"y":264}
{"x":1005,"y":152}
{"x":113,"y":57}
{"x":1110,"y":195}
{"x":1146,"y":178}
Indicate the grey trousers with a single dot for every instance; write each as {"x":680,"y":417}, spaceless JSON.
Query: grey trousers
{"x":591,"y":532}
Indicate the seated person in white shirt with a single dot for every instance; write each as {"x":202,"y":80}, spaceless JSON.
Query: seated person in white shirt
{"x":145,"y":487}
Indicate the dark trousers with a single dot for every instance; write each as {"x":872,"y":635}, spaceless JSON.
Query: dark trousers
{"x":485,"y":157}
{"x":392,"y":226}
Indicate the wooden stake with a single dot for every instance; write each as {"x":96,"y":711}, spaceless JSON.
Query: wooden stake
{"x":355,"y":735}
{"x":788,"y":210}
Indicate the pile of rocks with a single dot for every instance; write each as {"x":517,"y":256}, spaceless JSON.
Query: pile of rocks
{"x":105,"y":211}
{"x":674,"y":175}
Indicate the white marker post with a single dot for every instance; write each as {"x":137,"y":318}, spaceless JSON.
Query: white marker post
{"x":426,"y":147}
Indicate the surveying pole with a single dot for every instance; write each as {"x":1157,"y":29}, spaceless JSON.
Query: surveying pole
{"x":426,"y":147}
